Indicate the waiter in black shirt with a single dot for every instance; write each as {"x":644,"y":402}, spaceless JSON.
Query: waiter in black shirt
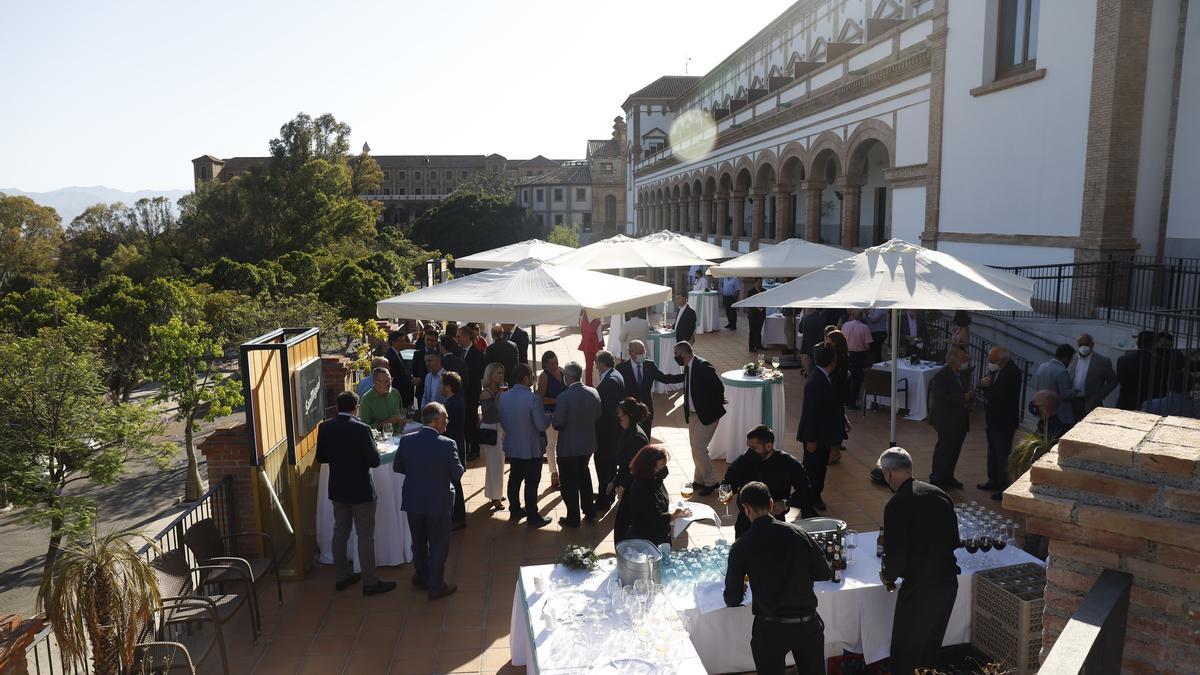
{"x":783,"y":475}
{"x":921,"y":534}
{"x":782,"y":562}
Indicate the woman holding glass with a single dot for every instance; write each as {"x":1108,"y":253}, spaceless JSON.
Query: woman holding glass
{"x":550,"y":384}
{"x":490,"y":442}
{"x":645,"y":509}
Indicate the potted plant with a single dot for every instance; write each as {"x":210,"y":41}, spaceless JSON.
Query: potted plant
{"x":97,"y":596}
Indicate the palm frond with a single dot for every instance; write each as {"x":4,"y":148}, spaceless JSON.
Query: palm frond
{"x":1030,"y":446}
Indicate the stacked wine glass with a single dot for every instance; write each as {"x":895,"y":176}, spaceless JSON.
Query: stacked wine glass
{"x":682,"y":570}
{"x":981,"y":530}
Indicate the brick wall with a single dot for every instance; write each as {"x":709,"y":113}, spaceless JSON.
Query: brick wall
{"x":16,"y":634}
{"x":335,"y":372}
{"x":227,"y":453}
{"x":1122,"y":491}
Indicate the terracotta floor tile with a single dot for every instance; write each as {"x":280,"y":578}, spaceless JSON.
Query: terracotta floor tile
{"x":494,"y":659}
{"x":374,"y":640}
{"x":323,"y":664}
{"x":406,"y":662}
{"x":341,"y":624}
{"x":284,"y":664}
{"x":458,"y":661}
{"x":369,"y":661}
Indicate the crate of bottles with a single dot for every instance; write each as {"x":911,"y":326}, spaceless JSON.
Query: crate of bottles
{"x":1006,"y":614}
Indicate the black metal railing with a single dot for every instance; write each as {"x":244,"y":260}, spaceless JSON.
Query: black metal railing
{"x":1122,"y":289}
{"x":1093,"y":641}
{"x":941,"y":332}
{"x":43,"y":655}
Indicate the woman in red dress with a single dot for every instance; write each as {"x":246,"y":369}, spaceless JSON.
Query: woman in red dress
{"x":591,"y":343}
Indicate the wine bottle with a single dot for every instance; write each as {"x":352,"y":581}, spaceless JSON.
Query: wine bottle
{"x":879,"y":544}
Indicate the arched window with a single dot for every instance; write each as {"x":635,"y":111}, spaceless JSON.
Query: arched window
{"x":610,"y":211}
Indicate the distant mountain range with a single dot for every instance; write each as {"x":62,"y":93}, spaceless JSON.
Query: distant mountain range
{"x":72,"y":201}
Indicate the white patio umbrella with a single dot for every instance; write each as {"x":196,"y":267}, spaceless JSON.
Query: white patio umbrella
{"x":528,"y":292}
{"x":899,"y":275}
{"x":788,"y":258}
{"x":697,"y":247}
{"x":503,"y":255}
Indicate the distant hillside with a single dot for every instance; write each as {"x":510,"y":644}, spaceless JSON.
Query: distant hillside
{"x":71,"y":201}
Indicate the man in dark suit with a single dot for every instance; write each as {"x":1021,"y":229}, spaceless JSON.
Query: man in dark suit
{"x":577,"y":411}
{"x":401,"y":382}
{"x":914,"y":333}
{"x":757,"y":316}
{"x":1092,"y":376}
{"x":504,"y":352}
{"x":1001,"y":389}
{"x":685,"y":319}
{"x":703,"y":408}
{"x":520,"y":338}
{"x":640,"y":374}
{"x":950,"y":419}
{"x":822,"y":421}
{"x":1134,"y":373}
{"x":472,"y":387}
{"x":346,"y":444}
{"x":812,"y":329}
{"x":920,"y":536}
{"x":431,"y":468}
{"x":611,"y":387}
{"x":429,"y":345}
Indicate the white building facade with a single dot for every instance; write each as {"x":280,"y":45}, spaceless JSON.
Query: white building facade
{"x":1010,"y":132}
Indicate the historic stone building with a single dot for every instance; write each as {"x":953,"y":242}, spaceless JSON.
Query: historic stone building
{"x":1013,"y":132}
{"x":588,"y":195}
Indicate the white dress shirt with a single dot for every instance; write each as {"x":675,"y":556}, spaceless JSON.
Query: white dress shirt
{"x":432,"y":392}
{"x":1081,"y":371}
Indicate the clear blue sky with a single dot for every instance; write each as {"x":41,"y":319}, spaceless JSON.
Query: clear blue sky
{"x":125,"y":94}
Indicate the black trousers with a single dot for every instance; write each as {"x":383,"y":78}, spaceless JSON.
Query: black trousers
{"x":529,"y":472}
{"x":770,"y":643}
{"x":757,"y":318}
{"x":815,"y":465}
{"x":877,"y":340}
{"x":459,"y":515}
{"x":576,"y":481}
{"x":471,"y":430}
{"x":605,"y":460}
{"x":946,"y":451}
{"x":858,"y":361}
{"x":999,"y":446}
{"x":730,"y":312}
{"x":430,"y":546}
{"x":922,"y":613}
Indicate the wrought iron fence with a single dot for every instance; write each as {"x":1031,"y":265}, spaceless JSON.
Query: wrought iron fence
{"x":941,"y":330}
{"x":43,"y":655}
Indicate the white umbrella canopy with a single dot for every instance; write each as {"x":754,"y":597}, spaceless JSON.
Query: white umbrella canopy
{"x":900,"y":275}
{"x":696,"y":247}
{"x":621,"y":252}
{"x":788,"y":258}
{"x":503,"y":255}
{"x":527,"y":292}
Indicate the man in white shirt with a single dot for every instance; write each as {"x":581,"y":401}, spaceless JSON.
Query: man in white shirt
{"x":432,"y":392}
{"x":636,"y":328}
{"x":701,"y":284}
{"x":731,"y":289}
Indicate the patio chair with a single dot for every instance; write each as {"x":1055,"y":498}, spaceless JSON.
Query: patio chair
{"x":879,"y":383}
{"x":175,"y":577}
{"x":207,"y":544}
{"x":182,"y":616}
{"x":153,"y":658}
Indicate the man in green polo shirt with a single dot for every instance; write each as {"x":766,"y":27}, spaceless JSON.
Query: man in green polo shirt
{"x":381,"y":405}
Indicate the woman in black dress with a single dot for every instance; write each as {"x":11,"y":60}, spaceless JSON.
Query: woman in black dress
{"x":645,"y":510}
{"x":840,"y":379}
{"x":630,"y":413}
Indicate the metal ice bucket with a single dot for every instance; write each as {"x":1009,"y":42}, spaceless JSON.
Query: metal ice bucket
{"x":638,"y":559}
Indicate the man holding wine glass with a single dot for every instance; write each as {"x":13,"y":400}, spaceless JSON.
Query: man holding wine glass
{"x":783,"y":475}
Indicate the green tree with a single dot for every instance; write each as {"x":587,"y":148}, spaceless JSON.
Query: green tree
{"x":226,"y":274}
{"x":365,"y":175}
{"x":303,"y":269}
{"x":183,"y":362}
{"x":57,"y":428}
{"x":305,"y":138}
{"x":25,"y":313}
{"x":469,"y":222}
{"x":30,"y":238}
{"x":564,"y":235}
{"x":492,"y":182}
{"x":353,"y":291}
{"x":388,"y":266}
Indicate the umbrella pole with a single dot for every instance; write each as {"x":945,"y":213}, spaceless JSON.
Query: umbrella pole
{"x":533,"y":345}
{"x":895,"y":370}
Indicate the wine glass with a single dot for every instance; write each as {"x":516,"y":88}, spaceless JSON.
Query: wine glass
{"x":775,"y":362}
{"x":851,"y":539}
{"x":686,"y":491}
{"x":761,"y":359}
{"x":725,"y":495}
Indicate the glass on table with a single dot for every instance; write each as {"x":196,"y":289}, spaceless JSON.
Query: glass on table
{"x":386,"y":429}
{"x":725,"y":496}
{"x":686,"y":491}
{"x":851,"y":539}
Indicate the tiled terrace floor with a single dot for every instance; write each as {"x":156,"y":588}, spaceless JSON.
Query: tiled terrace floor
{"x":319,"y":631}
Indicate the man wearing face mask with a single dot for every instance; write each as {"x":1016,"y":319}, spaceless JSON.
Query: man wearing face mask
{"x":783,"y":475}
{"x":920,"y":536}
{"x":1001,"y":393}
{"x":703,"y":407}
{"x":640,"y":374}
{"x":1092,"y":377}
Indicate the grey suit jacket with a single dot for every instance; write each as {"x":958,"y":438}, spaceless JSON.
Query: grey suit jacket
{"x":1101,"y":380}
{"x":575,"y":417}
{"x":1053,"y":375}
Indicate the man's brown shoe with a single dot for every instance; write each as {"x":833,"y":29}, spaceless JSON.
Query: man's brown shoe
{"x":447,"y":589}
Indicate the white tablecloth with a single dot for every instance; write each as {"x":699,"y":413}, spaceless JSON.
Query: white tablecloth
{"x":774,"y":331}
{"x":527,"y":638}
{"x":708,"y":310}
{"x":660,"y":348}
{"x":747,"y":407}
{"x":393,"y":544}
{"x":918,"y":386}
{"x":857,"y":613}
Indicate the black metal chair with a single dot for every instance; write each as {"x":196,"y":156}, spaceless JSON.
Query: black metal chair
{"x":183,"y":614}
{"x":879,"y":383}
{"x":153,"y":658}
{"x":204,"y":540}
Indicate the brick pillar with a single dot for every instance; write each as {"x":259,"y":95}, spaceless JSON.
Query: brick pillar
{"x":336,"y":372}
{"x":722,"y":214}
{"x":227,"y":454}
{"x":851,"y":202}
{"x":706,"y":218}
{"x":783,"y":212}
{"x":675,"y":215}
{"x":812,"y":209}
{"x":758,"y":212}
{"x":1122,"y":491}
{"x":738,"y":198}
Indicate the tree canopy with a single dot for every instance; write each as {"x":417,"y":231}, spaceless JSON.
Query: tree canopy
{"x":469,"y":222}
{"x":30,"y":238}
